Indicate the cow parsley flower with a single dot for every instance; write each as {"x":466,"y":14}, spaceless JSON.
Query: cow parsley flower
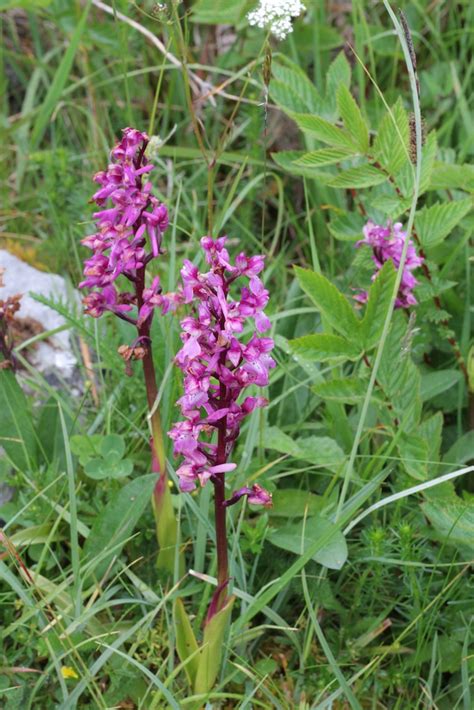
{"x":276,"y":15}
{"x":388,"y":243}
{"x":219,"y":365}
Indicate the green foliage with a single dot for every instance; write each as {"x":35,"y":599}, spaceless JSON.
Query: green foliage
{"x":322,"y":346}
{"x":297,"y":538}
{"x":379,"y":299}
{"x":435,"y":223}
{"x":333,"y":306}
{"x":17,"y":434}
{"x":352,"y":118}
{"x":211,"y":649}
{"x":391,"y":147}
{"x":318,"y":450}
{"x":81,"y":598}
{"x":111,"y":464}
{"x":116,"y":522}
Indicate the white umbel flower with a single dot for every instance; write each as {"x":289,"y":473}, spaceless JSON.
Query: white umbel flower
{"x":275,"y":15}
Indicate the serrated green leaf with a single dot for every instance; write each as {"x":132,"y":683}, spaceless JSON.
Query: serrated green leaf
{"x":360,"y":176}
{"x":352,"y":118}
{"x":324,"y":131}
{"x":324,"y":156}
{"x":211,"y":655}
{"x":433,"y":224}
{"x":405,"y":178}
{"x":186,"y":644}
{"x":430,"y":430}
{"x":288,"y":160}
{"x":391,"y":142}
{"x":413,"y":452}
{"x":335,"y":308}
{"x":318,"y":450}
{"x":116,"y":522}
{"x":435,"y":383}
{"x":447,"y":176}
{"x":295,"y":503}
{"x":348,"y":390}
{"x":399,"y":377}
{"x":297,"y":538}
{"x":339,"y":72}
{"x":380,"y":295}
{"x":323,"y":346}
{"x":291,"y":89}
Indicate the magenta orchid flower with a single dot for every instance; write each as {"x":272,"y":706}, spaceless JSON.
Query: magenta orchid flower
{"x":387,"y":243}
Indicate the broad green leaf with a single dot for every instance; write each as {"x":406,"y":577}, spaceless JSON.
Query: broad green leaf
{"x":217,"y":12}
{"x":318,"y":450}
{"x":349,"y":390}
{"x":352,"y":118}
{"x":380,"y":295}
{"x":186,"y":644}
{"x":116,"y":522}
{"x":291,"y":88}
{"x":324,"y":131}
{"x":360,"y":176}
{"x":50,"y":433}
{"x":462,"y":451}
{"x":322,"y":346}
{"x":324,"y":156}
{"x":101,"y":469}
{"x":34,"y":535}
{"x":413,"y":451}
{"x":453,"y":520}
{"x":212,"y":651}
{"x":85,"y":447}
{"x":435,"y":383}
{"x":112,"y":447}
{"x":334,"y":307}
{"x":17,"y":435}
{"x":295,"y":503}
{"x":298,"y":537}
{"x":391,"y":144}
{"x":433,"y":224}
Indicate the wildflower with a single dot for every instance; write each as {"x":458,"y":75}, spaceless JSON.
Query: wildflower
{"x":387,"y":243}
{"x":129,"y":234}
{"x":256,"y":495}
{"x":218,"y":365}
{"x":276,"y":15}
{"x":68,"y":672}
